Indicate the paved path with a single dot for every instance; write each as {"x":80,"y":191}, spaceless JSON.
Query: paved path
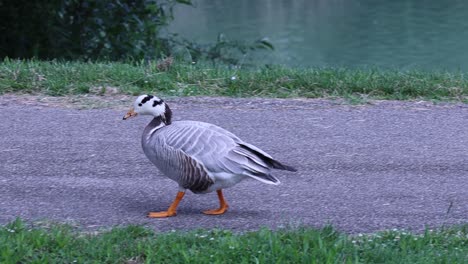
{"x":361,"y":168}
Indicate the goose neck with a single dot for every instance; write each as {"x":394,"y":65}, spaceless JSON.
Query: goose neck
{"x":155,"y":124}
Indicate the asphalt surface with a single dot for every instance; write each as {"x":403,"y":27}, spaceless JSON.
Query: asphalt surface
{"x":363,"y":168}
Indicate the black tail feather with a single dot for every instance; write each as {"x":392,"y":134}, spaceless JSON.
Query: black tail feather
{"x":271,"y":162}
{"x":278,"y":165}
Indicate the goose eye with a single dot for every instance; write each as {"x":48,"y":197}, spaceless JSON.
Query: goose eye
{"x":140,"y":104}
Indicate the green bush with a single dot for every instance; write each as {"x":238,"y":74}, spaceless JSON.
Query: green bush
{"x":223,"y":51}
{"x":85,"y":29}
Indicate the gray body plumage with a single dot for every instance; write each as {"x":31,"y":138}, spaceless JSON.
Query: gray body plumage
{"x":203,"y":157}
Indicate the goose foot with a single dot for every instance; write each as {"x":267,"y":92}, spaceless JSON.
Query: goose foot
{"x":218,"y":211}
{"x":172,"y":209}
{"x":223,"y":206}
{"x":161,"y":214}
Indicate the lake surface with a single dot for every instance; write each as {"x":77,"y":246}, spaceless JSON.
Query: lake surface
{"x":429,"y":34}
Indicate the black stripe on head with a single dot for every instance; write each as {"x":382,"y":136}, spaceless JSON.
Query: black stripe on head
{"x":146,"y":99}
{"x":156,"y":102}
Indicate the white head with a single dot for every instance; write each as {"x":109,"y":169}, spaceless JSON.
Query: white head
{"x":150,"y":105}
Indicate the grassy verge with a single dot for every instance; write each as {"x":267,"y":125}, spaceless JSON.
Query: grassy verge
{"x":65,"y":78}
{"x":20,"y":243}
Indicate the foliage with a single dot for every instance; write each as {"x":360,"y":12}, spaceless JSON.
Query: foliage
{"x":106,"y":30}
{"x":53,"y":243}
{"x":223,"y":51}
{"x":87,"y":29}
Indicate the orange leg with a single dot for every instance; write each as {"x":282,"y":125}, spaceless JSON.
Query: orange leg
{"x":172,"y":209}
{"x":223,"y":206}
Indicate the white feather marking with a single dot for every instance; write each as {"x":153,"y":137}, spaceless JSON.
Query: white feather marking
{"x":154,"y":129}
{"x":264,"y":180}
{"x":159,"y":109}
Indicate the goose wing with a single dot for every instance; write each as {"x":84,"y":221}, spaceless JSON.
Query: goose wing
{"x":218,"y":150}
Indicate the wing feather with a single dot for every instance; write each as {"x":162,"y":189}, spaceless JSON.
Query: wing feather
{"x":209,"y":150}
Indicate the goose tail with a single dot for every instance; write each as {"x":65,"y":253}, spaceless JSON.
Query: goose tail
{"x":280,"y":166}
{"x":267,"y":158}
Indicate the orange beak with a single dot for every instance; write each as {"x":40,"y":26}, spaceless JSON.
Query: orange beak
{"x":131,"y":113}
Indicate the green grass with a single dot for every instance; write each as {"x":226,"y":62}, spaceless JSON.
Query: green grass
{"x":65,"y":78}
{"x":22,"y":243}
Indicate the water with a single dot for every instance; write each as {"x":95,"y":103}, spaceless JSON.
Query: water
{"x":431,"y":34}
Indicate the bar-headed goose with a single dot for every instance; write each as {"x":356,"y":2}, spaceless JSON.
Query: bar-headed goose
{"x":199,"y":156}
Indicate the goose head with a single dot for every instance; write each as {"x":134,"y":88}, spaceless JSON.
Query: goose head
{"x":150,"y":105}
